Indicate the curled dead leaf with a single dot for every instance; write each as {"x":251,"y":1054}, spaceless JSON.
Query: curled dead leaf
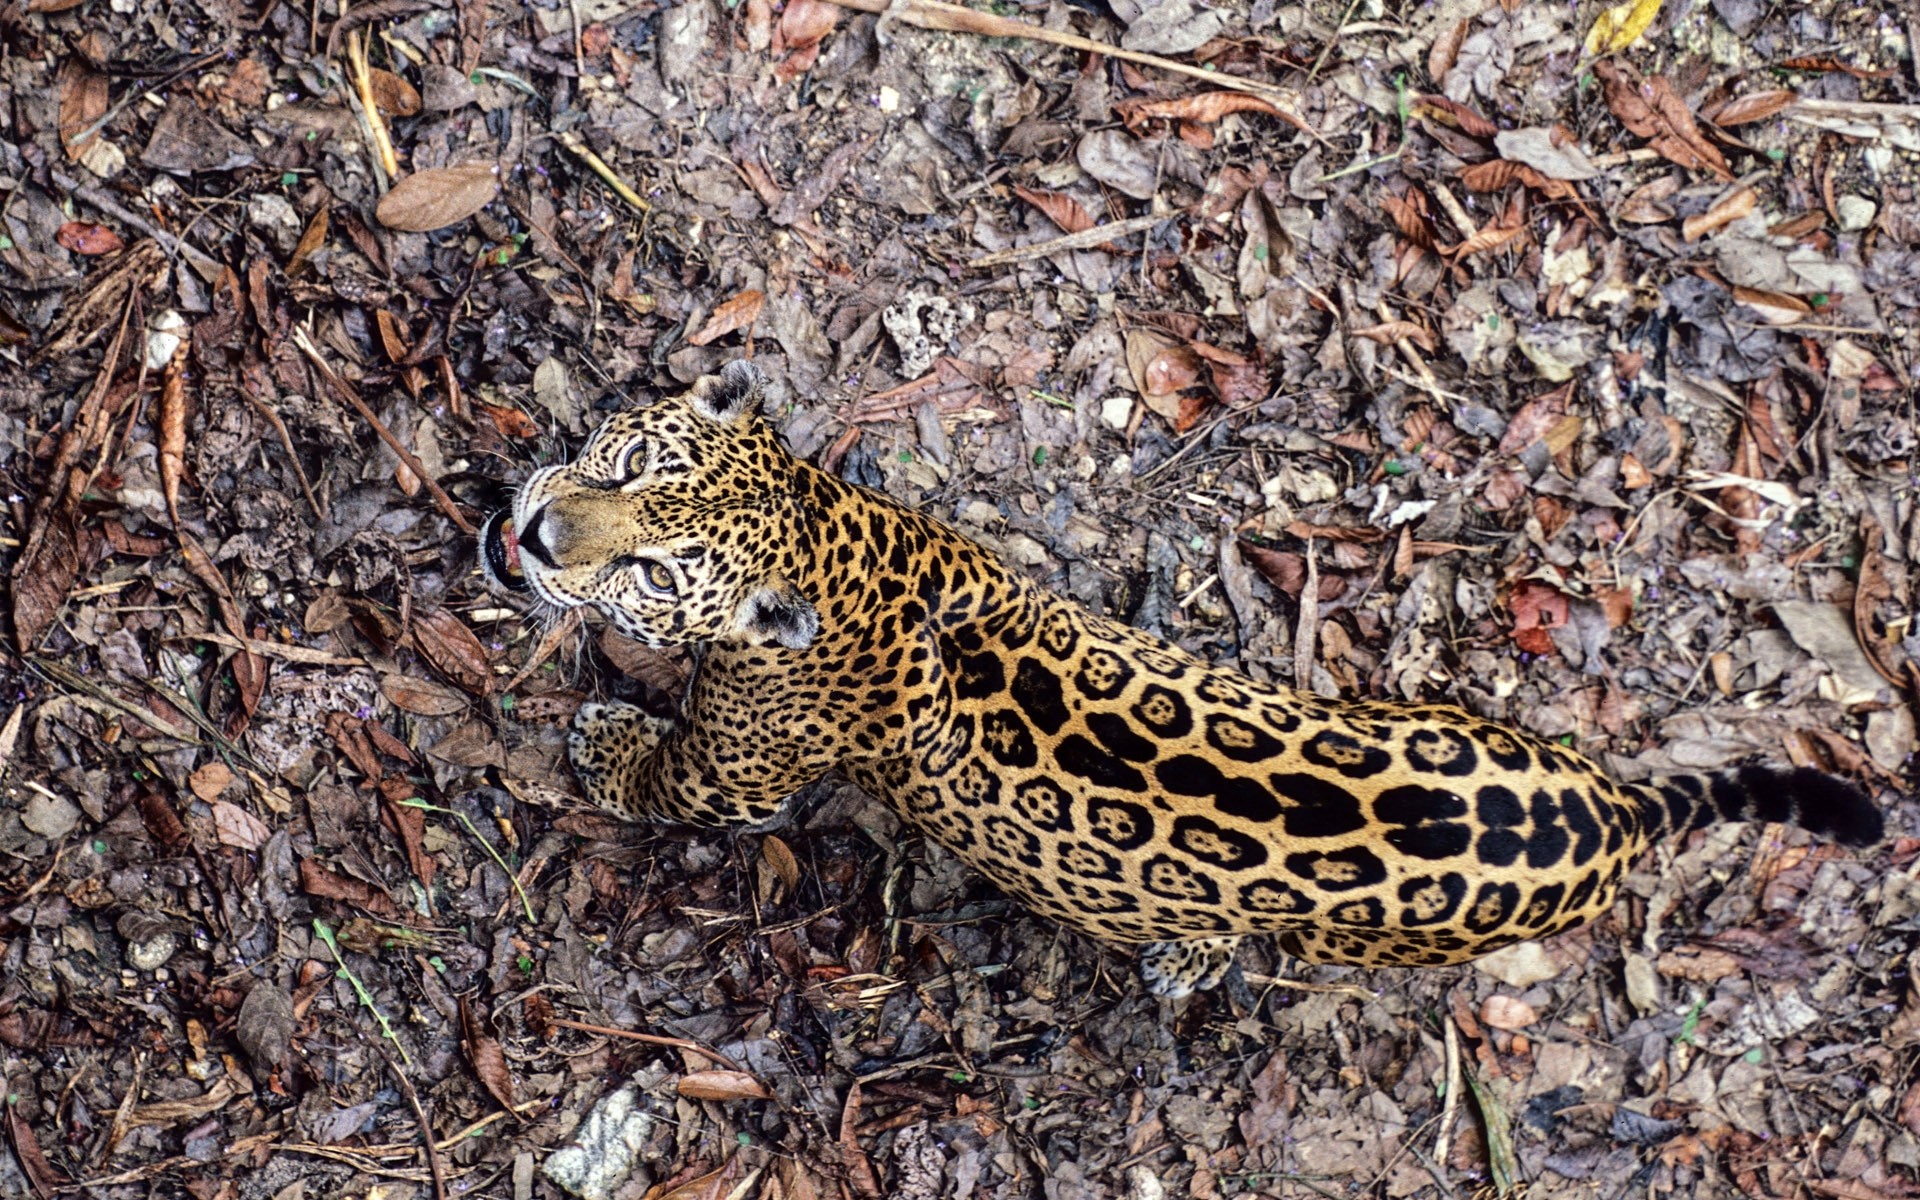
{"x":738,"y":312}
{"x":721,"y":1085}
{"x":438,"y":197}
{"x":1756,"y":106}
{"x":1206,"y":108}
{"x":1724,"y":211}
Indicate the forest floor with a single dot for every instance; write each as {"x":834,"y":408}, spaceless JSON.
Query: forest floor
{"x":1576,"y":388}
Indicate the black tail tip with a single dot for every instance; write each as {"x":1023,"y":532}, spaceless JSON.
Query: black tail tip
{"x":1832,"y":807}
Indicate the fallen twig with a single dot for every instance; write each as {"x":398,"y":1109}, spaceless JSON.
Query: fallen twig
{"x":345,"y":391}
{"x":1085,"y":239}
{"x":952,"y":18}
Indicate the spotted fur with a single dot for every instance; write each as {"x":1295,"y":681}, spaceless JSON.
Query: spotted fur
{"x":1105,"y":778}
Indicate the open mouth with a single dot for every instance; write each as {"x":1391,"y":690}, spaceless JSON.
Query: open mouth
{"x":500,"y":552}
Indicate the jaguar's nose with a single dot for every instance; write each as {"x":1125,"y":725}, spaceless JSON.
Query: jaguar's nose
{"x":532,"y":543}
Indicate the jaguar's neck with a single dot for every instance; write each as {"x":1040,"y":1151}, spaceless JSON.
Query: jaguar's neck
{"x":896,"y":560}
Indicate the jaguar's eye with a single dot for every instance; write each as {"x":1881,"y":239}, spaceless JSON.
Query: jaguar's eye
{"x":658,"y":577}
{"x":631,"y":463}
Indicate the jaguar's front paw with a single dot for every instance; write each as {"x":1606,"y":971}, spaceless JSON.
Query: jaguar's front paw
{"x":607,"y":746}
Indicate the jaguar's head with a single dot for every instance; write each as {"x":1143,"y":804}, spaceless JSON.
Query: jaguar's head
{"x":678,"y":522}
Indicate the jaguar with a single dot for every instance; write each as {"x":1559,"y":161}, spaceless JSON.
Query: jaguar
{"x":1100,"y":775}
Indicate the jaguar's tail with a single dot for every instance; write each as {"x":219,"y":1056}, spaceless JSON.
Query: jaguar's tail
{"x":1820,"y":803}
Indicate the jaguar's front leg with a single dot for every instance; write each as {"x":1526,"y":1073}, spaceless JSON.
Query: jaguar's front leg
{"x":646,"y":768}
{"x":609,"y":747}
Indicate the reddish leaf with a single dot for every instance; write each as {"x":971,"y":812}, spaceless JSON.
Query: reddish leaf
{"x":509,"y":422}
{"x":316,"y":880}
{"x":1063,"y":210}
{"x":84,"y":237}
{"x":740,"y":312}
{"x":1537,"y":607}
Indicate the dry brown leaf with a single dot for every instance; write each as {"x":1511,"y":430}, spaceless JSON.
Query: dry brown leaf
{"x":655,"y":668}
{"x":438,"y":197}
{"x":1205,"y":108}
{"x":1776,"y":308}
{"x":1495,"y":174}
{"x":316,"y":880}
{"x":235,"y":826}
{"x":484,"y":1052}
{"x":779,"y":858}
{"x":1491,"y":238}
{"x":1063,"y":210}
{"x":393,"y":339}
{"x":714,"y":1185}
{"x":210,"y":780}
{"x":84,"y":97}
{"x":739,"y":312}
{"x":1757,"y":106}
{"x":392,"y":93}
{"x":721,"y":1085}
{"x":1454,"y":113}
{"x":803,"y":23}
{"x":1409,"y":216}
{"x":312,"y":238}
{"x":422,"y":697}
{"x":1724,"y":211}
{"x":444,"y":640}
{"x":1651,"y":109}
{"x":1445,"y":50}
{"x":1537,"y":607}
{"x":173,"y":431}
{"x":1392,"y":331}
{"x":1647,"y":204}
{"x":1357,"y":534}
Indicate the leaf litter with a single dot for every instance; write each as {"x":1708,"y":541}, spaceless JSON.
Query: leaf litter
{"x":1560,"y":357}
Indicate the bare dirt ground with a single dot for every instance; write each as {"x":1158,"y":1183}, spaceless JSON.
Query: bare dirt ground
{"x":1574,"y":388}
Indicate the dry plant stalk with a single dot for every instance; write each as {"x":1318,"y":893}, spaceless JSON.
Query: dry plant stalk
{"x":952,"y":18}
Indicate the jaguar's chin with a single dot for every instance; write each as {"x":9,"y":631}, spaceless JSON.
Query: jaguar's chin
{"x":500,"y":553}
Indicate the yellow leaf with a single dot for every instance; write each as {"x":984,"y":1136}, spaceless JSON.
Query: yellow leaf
{"x":1621,"y":26}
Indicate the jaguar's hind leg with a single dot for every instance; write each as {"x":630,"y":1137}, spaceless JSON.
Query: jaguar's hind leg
{"x":607,"y":746}
{"x":1176,"y":969}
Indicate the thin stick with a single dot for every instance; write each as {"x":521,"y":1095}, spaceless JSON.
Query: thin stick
{"x":1073,"y":241}
{"x":286,"y":441}
{"x":952,"y":18}
{"x":420,"y":1115}
{"x":419,"y":469}
{"x":1443,"y":1147}
{"x":654,"y":1039}
{"x":600,"y":168}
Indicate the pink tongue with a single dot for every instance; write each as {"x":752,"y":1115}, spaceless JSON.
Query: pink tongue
{"x":513,"y":545}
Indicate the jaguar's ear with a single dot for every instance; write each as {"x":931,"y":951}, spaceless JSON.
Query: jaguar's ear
{"x":780,"y":615}
{"x":732,"y":394}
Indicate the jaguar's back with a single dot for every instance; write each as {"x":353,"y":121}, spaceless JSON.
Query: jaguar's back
{"x":1106,"y":778}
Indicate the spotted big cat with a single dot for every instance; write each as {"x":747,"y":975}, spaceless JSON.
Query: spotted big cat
{"x":1105,"y":778}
